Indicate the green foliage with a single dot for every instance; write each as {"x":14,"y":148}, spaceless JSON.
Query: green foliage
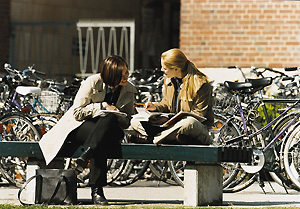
{"x":273,"y":111}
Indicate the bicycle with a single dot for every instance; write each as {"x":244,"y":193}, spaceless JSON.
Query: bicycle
{"x":18,"y":110}
{"x":264,"y":145}
{"x":234,"y":174}
{"x":279,"y":177}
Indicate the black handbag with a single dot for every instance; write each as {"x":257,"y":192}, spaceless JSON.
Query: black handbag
{"x":53,"y":186}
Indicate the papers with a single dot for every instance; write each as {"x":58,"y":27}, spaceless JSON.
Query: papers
{"x":115,"y":112}
{"x":122,"y":114}
{"x":142,"y":114}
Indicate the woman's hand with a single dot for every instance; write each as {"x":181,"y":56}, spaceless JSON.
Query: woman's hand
{"x":150,"y":106}
{"x":106,"y":106}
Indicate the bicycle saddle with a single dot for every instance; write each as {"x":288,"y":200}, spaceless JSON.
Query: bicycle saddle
{"x":244,"y":87}
{"x":24,"y":90}
{"x":260,"y":83}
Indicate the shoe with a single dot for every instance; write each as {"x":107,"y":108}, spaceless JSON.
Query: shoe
{"x":83,"y":160}
{"x":98,"y":196}
{"x":138,"y":138}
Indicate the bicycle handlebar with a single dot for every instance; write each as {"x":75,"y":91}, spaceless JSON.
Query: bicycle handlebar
{"x":232,"y":67}
{"x":33,"y":71}
{"x":22,"y":75}
{"x":291,"y":68}
{"x":254,"y":70}
{"x":287,"y":78}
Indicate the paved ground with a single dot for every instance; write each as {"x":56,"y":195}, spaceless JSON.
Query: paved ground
{"x":154,"y":193}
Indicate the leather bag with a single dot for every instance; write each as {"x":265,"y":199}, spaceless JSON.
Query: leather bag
{"x":53,"y":187}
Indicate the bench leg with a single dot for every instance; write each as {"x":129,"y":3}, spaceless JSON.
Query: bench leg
{"x":30,"y":189}
{"x":203,"y":184}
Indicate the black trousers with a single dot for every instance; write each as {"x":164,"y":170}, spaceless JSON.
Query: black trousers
{"x":103,"y":135}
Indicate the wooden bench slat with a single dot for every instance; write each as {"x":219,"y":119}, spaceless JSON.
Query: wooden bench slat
{"x":206,"y":154}
{"x":171,"y":152}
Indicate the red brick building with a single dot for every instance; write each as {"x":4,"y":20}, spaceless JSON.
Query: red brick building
{"x":262,"y":33}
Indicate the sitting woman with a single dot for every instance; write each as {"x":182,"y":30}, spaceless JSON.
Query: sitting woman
{"x":88,"y":123}
{"x":186,"y":88}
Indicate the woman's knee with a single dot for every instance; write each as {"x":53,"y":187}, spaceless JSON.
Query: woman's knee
{"x":189,"y":124}
{"x":111,"y":117}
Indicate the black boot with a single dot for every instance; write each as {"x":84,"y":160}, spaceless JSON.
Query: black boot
{"x":98,"y":196}
{"x":83,"y":160}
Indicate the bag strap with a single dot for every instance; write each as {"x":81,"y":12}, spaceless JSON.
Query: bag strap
{"x":23,"y":187}
{"x":61,"y":179}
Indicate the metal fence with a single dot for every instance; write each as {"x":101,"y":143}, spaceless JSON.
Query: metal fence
{"x":103,"y":39}
{"x":63,"y":50}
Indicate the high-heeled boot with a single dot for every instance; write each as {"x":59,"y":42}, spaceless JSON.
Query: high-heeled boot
{"x":83,"y":160}
{"x":98,"y":196}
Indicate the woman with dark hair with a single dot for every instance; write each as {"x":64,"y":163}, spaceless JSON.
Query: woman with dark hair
{"x":88,"y":123}
{"x":187,"y":89}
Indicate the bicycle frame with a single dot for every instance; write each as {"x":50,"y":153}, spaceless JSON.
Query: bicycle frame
{"x":242,"y":137}
{"x":32,"y":106}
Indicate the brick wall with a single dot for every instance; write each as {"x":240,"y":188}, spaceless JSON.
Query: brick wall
{"x":262,"y":33}
{"x":4,"y":31}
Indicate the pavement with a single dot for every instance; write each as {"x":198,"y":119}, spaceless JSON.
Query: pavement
{"x":153,"y":193}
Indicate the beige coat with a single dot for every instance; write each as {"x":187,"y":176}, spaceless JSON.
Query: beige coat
{"x":87,"y":103}
{"x":201,"y":104}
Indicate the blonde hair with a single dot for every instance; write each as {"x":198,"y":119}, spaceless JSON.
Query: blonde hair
{"x":176,"y":59}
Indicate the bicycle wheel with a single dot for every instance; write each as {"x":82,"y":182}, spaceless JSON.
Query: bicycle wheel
{"x":279,"y":174}
{"x":242,"y":181}
{"x":162,"y":171}
{"x":177,"y":171}
{"x":133,"y":171}
{"x":291,"y":157}
{"x":114,"y":169}
{"x":222,"y":131}
{"x":44,"y":122}
{"x":245,"y":179}
{"x":16,"y":127}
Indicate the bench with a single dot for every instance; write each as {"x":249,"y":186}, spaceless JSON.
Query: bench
{"x":202,"y":175}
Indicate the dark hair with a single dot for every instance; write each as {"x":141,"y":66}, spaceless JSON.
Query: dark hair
{"x":111,"y":69}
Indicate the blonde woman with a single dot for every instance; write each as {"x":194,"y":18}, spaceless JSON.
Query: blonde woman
{"x":186,"y":88}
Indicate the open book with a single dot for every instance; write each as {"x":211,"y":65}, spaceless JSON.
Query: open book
{"x":171,"y":118}
{"x":161,"y":131}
